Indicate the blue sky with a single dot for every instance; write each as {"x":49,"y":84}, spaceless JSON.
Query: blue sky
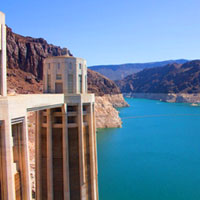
{"x":111,"y":31}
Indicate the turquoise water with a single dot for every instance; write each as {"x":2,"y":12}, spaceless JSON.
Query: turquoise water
{"x":155,"y":156}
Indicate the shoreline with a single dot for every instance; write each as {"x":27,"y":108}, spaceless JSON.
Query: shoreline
{"x":167,"y":97}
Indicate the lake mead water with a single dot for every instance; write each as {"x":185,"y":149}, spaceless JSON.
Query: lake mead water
{"x":155,"y":156}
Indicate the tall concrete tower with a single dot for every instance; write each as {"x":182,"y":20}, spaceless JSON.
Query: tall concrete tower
{"x":65,"y":74}
{"x":66,"y":136}
{"x":3,"y":80}
{"x":66,"y":160}
{"x":14,"y":162}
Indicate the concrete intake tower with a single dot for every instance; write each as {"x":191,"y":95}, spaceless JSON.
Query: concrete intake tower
{"x":66,"y":155}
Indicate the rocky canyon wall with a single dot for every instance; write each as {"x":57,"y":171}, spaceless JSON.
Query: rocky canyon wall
{"x":108,"y":97}
{"x":106,"y":114}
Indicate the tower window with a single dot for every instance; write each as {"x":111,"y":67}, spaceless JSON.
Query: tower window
{"x":80,"y":83}
{"x":48,"y":83}
{"x":70,"y":83}
{"x":85,"y":83}
{"x":58,"y":87}
{"x":58,"y":65}
{"x":49,"y":65}
{"x":80,"y":65}
{"x":58,"y":76}
{"x":70,"y":66}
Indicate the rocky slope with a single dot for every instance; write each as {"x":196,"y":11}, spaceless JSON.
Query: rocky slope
{"x":108,"y":97}
{"x":24,"y":61}
{"x":118,"y":72}
{"x":173,"y":82}
{"x":106,"y":115}
{"x":100,"y":85}
{"x":27,"y":53}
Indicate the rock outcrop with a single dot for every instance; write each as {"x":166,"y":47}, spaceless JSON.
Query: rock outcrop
{"x":101,"y":85}
{"x":108,"y":97}
{"x":106,"y":115}
{"x":117,"y":100}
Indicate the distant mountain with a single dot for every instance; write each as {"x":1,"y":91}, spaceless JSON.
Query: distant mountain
{"x":118,"y":72}
{"x":172,"y":78}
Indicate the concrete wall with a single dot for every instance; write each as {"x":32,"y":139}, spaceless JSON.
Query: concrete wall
{"x":3,"y":70}
{"x":2,"y":18}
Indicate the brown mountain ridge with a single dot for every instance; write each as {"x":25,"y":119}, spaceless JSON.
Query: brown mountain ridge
{"x":172,"y":78}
